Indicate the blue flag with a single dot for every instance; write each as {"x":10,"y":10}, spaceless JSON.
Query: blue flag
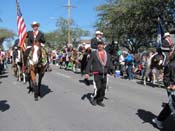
{"x":160,"y":34}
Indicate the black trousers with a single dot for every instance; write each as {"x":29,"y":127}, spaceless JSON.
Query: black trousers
{"x":100,"y":87}
{"x":165,"y":113}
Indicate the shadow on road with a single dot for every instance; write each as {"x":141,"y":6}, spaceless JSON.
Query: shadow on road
{"x":4,"y":106}
{"x":3,"y":76}
{"x":147,"y":117}
{"x":150,"y":84}
{"x":45,"y":90}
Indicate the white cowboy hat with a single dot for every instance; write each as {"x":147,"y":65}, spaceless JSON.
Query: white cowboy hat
{"x":99,"y":33}
{"x":166,"y":34}
{"x":35,"y":23}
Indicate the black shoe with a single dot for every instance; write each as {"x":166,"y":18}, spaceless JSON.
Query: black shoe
{"x":93,"y":102}
{"x":101,"y":104}
{"x":87,"y":82}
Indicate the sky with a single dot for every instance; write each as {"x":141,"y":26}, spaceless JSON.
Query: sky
{"x":47,"y":11}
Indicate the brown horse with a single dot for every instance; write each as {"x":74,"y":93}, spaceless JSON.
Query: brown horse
{"x":36,"y":69}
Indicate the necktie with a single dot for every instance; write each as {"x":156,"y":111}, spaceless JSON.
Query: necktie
{"x":102,"y":56}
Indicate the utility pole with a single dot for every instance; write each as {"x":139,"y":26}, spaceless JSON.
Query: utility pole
{"x":68,"y":21}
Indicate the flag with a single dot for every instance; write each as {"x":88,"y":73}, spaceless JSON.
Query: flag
{"x":22,"y":33}
{"x":160,"y":34}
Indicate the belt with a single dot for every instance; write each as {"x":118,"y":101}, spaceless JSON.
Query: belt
{"x":97,"y":73}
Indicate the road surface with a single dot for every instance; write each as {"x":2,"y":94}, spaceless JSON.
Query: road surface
{"x":64,"y":105}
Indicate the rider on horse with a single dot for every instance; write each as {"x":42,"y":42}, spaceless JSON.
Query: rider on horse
{"x":35,"y":35}
{"x":167,"y":45}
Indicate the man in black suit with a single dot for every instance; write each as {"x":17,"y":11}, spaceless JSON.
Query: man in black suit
{"x":34,"y":35}
{"x":100,"y":65}
{"x":96,"y":39}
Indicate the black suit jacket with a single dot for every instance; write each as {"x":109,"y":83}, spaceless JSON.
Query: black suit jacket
{"x":39,"y":37}
{"x":94,"y":64}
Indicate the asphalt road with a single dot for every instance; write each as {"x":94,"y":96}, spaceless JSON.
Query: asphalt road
{"x":64,"y":105}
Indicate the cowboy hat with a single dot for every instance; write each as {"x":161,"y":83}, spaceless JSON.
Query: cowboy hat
{"x":166,"y":34}
{"x":99,"y":33}
{"x":35,"y":23}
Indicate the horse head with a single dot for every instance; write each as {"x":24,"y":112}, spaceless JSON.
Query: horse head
{"x":36,"y":53}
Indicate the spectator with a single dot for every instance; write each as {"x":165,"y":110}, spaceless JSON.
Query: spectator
{"x":129,"y":63}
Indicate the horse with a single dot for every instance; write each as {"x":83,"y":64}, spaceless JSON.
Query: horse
{"x":75,"y":60}
{"x":19,"y":60}
{"x":157,"y":63}
{"x":36,"y":69}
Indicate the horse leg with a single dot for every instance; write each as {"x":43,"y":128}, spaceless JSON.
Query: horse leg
{"x":33,"y":82}
{"x":41,"y":74}
{"x":154,"y":78}
{"x":35,"y":91}
{"x":36,"y":87}
{"x":39,"y":85}
{"x":30,"y":84}
{"x":19,"y":73}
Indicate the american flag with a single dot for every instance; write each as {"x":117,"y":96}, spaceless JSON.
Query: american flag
{"x":21,"y":27}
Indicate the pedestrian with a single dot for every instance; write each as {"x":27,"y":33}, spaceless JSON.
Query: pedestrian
{"x":6,"y":60}
{"x":122,"y":64}
{"x":144,"y":64}
{"x":129,"y":61}
{"x":96,"y":39}
{"x":169,"y":82}
{"x":1,"y":61}
{"x":100,"y":64}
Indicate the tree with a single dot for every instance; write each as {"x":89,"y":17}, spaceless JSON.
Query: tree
{"x":5,"y":35}
{"x":59,"y":38}
{"x":133,"y":23}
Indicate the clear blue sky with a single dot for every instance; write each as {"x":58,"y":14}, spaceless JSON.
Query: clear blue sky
{"x":45,"y":12}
